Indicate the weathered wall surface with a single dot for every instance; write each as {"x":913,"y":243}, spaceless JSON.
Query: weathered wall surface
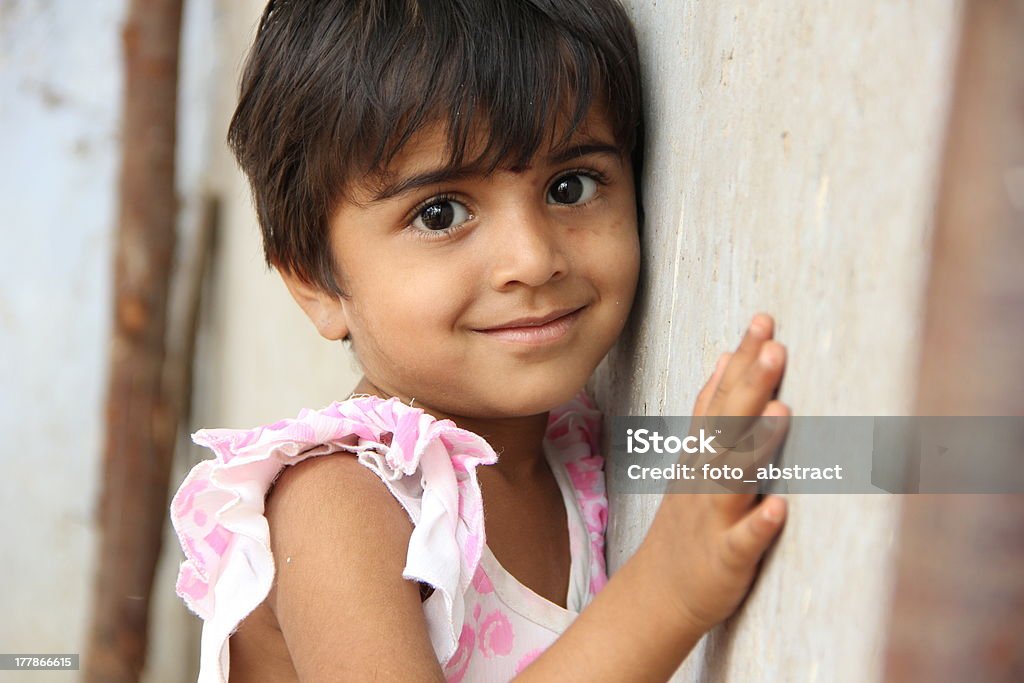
{"x":791,"y":161}
{"x":60,"y":103}
{"x":60,"y":88}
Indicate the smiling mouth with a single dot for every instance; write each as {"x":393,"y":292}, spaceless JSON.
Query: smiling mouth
{"x":537,"y":330}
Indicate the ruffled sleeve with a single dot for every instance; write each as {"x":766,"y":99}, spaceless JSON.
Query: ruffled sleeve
{"x":429,"y":465}
{"x":574,"y":436}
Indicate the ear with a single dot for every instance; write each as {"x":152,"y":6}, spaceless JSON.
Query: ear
{"x":326,"y":310}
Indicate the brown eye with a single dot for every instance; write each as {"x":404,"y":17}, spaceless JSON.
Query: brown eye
{"x":441,"y":215}
{"x":574,"y":188}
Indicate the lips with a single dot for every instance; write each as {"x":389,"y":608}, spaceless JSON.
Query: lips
{"x":535,"y":331}
{"x":535,"y":321}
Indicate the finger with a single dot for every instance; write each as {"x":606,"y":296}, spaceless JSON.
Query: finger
{"x":755,"y":387}
{"x":741,"y":408}
{"x":731,"y":506}
{"x":759,"y":331}
{"x":746,"y":541}
{"x":758,"y":448}
{"x":700,"y":407}
{"x":704,"y":397}
{"x":736,"y":469}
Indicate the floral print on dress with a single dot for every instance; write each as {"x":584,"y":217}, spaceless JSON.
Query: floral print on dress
{"x":492,"y":636}
{"x":496,"y":634}
{"x":575,"y":434}
{"x":527,"y":660}
{"x":429,"y":465}
{"x":459,"y":662}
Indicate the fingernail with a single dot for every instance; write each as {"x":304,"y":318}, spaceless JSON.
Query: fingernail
{"x":767,"y":357}
{"x":770,"y":514}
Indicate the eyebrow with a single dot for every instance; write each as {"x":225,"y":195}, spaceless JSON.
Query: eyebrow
{"x":400,"y":186}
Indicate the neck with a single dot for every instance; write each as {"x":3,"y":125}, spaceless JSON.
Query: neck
{"x":516,"y":440}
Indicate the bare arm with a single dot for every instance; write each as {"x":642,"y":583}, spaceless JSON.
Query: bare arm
{"x":339,"y":542}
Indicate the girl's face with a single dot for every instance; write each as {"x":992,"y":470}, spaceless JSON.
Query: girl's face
{"x":440,"y":273}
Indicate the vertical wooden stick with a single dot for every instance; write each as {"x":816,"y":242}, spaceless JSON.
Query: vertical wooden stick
{"x":958,"y":605}
{"x":140,"y":428}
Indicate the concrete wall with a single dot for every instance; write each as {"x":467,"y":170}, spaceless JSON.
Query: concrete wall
{"x":792,"y":157}
{"x":60,"y":87}
{"x":60,"y":103}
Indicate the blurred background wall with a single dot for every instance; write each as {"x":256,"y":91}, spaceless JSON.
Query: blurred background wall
{"x":59,"y":97}
{"x":791,"y":163}
{"x":258,"y":357}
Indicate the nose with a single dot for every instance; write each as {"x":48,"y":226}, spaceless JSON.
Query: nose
{"x":529,"y":249}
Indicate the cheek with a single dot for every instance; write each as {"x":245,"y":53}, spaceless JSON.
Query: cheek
{"x":404,"y":304}
{"x":626,"y":283}
{"x":618,"y":263}
{"x":616,"y":271}
{"x":631,"y":257}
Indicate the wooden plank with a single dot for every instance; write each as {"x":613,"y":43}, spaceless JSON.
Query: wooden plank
{"x":140,"y":422}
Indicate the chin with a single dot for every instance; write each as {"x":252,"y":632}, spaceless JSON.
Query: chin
{"x":522,"y":401}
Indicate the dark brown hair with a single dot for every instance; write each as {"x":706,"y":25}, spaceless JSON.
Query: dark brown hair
{"x":333,"y":89}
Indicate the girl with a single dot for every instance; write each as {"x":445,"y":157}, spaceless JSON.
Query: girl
{"x":449,"y":186}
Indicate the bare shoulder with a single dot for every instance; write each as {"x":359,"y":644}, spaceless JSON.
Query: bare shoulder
{"x":336,"y":496}
{"x":339,"y":540}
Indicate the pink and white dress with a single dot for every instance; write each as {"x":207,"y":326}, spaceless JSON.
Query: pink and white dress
{"x":484,"y":625}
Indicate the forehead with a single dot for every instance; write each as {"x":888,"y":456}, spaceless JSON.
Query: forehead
{"x":432,"y":149}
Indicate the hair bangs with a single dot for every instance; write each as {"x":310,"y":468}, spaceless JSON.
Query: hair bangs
{"x":504,"y":79}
